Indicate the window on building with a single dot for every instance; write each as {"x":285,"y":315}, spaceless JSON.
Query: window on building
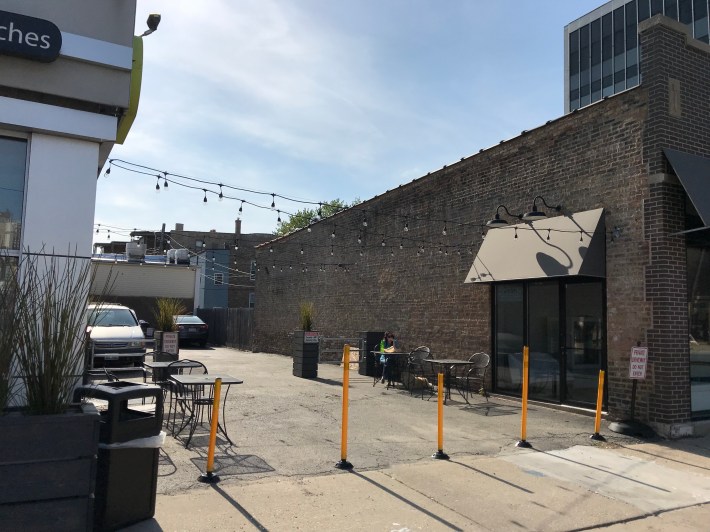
{"x":252,"y":270}
{"x":218,"y":278}
{"x":252,"y":299}
{"x":13,"y":159}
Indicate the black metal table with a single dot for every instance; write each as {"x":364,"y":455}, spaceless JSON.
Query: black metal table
{"x":195,"y":399}
{"x":394,"y":360}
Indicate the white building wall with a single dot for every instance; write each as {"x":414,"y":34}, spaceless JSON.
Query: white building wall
{"x":147,"y":280}
{"x":60,"y":195}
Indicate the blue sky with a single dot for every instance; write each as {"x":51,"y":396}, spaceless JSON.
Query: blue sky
{"x":324,"y":99}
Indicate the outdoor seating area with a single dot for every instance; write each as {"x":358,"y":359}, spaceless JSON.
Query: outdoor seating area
{"x":418,"y":370}
{"x":188,"y":391}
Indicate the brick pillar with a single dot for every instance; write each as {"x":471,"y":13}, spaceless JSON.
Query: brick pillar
{"x":666,"y":291}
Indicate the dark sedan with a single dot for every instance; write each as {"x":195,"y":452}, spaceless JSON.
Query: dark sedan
{"x":191,"y":329}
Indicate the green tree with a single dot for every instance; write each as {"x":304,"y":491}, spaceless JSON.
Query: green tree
{"x":304,"y":217}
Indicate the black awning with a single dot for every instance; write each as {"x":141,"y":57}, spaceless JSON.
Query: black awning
{"x":553,"y":247}
{"x":693,"y":172}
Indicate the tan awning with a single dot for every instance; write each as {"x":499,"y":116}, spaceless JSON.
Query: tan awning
{"x":554,"y":247}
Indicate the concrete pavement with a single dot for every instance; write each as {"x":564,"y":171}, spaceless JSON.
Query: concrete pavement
{"x":280,"y":474}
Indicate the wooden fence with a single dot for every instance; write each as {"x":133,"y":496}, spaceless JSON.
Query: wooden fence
{"x":232,"y":327}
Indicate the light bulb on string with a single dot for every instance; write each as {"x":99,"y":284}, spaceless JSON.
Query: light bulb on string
{"x":516,"y":232}
{"x":359,"y":238}
{"x":157,"y":185}
{"x":236,"y":245}
{"x":271,"y":249}
{"x":320,"y":210}
{"x":221,"y":196}
{"x":406,"y":225}
{"x":443,"y":232}
{"x":204,"y":200}
{"x":580,"y":237}
{"x":301,"y":250}
{"x":273,"y":201}
{"x":392,"y":252}
{"x":401,"y":245}
{"x":383,"y":243}
{"x":364,"y":219}
{"x":241,"y":205}
{"x":279,"y":218}
{"x":165,"y":180}
{"x":332,"y":235}
{"x":108,"y":170}
{"x":331,"y":250}
{"x":548,"y":234}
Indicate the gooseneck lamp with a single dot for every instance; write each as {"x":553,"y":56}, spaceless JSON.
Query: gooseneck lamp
{"x":498,"y":221}
{"x":535,"y":214}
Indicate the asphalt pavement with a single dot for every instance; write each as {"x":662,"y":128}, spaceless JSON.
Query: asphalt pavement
{"x":280,"y":473}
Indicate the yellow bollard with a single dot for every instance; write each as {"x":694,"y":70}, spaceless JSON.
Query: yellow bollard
{"x":524,"y":420}
{"x":209,"y":476}
{"x":344,"y":464}
{"x":440,"y":454}
{"x":598,"y":418}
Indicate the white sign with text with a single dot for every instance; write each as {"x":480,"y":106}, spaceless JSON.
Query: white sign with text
{"x":638,"y":362}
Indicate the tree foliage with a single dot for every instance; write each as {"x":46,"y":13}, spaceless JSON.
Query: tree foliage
{"x":304,"y":217}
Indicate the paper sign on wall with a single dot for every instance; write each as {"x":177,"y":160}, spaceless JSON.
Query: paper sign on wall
{"x":638,"y":362}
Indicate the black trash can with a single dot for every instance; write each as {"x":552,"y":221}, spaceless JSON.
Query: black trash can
{"x":367,"y":359}
{"x":129,"y":446}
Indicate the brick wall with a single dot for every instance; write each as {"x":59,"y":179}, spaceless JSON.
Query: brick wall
{"x":599,"y":156}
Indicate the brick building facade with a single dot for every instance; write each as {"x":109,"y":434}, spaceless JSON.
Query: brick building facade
{"x":399,"y":260}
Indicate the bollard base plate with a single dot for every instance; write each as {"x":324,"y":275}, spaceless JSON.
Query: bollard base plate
{"x":440,"y":455}
{"x":597,"y":437}
{"x":524,"y":444}
{"x":344,"y":464}
{"x":208,"y":478}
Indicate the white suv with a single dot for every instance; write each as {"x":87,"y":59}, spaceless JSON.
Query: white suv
{"x":115,"y":336}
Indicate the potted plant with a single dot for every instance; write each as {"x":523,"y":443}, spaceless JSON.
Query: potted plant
{"x":48,"y":444}
{"x":305,"y":343}
{"x":166,"y":336}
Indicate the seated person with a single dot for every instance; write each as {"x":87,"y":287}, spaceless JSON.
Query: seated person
{"x":387,"y":345}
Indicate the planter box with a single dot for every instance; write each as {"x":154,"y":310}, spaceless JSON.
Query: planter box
{"x":48,"y":467}
{"x":305,"y":354}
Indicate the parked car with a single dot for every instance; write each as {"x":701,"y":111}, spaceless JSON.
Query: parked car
{"x":115,"y":336}
{"x":191,"y":329}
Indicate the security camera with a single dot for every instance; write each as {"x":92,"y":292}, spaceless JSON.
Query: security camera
{"x":153,"y":21}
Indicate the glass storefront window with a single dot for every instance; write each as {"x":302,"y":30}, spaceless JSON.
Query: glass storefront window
{"x":699,"y":334}
{"x":13,"y":155}
{"x":509,"y":338}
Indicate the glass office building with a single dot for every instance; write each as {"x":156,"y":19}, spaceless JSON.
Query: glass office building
{"x":602,"y":47}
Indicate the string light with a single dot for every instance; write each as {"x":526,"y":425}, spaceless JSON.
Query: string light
{"x":221,"y":196}
{"x":332,"y":235}
{"x":279,"y":218}
{"x":241,"y":206}
{"x":443,"y":232}
{"x":359,"y":238}
{"x":580,"y":237}
{"x":165,"y":180}
{"x":383,"y":243}
{"x":204,"y":200}
{"x":273,"y":200}
{"x":157,"y":185}
{"x":364,"y":219}
{"x":406,"y":225}
{"x":548,"y":234}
